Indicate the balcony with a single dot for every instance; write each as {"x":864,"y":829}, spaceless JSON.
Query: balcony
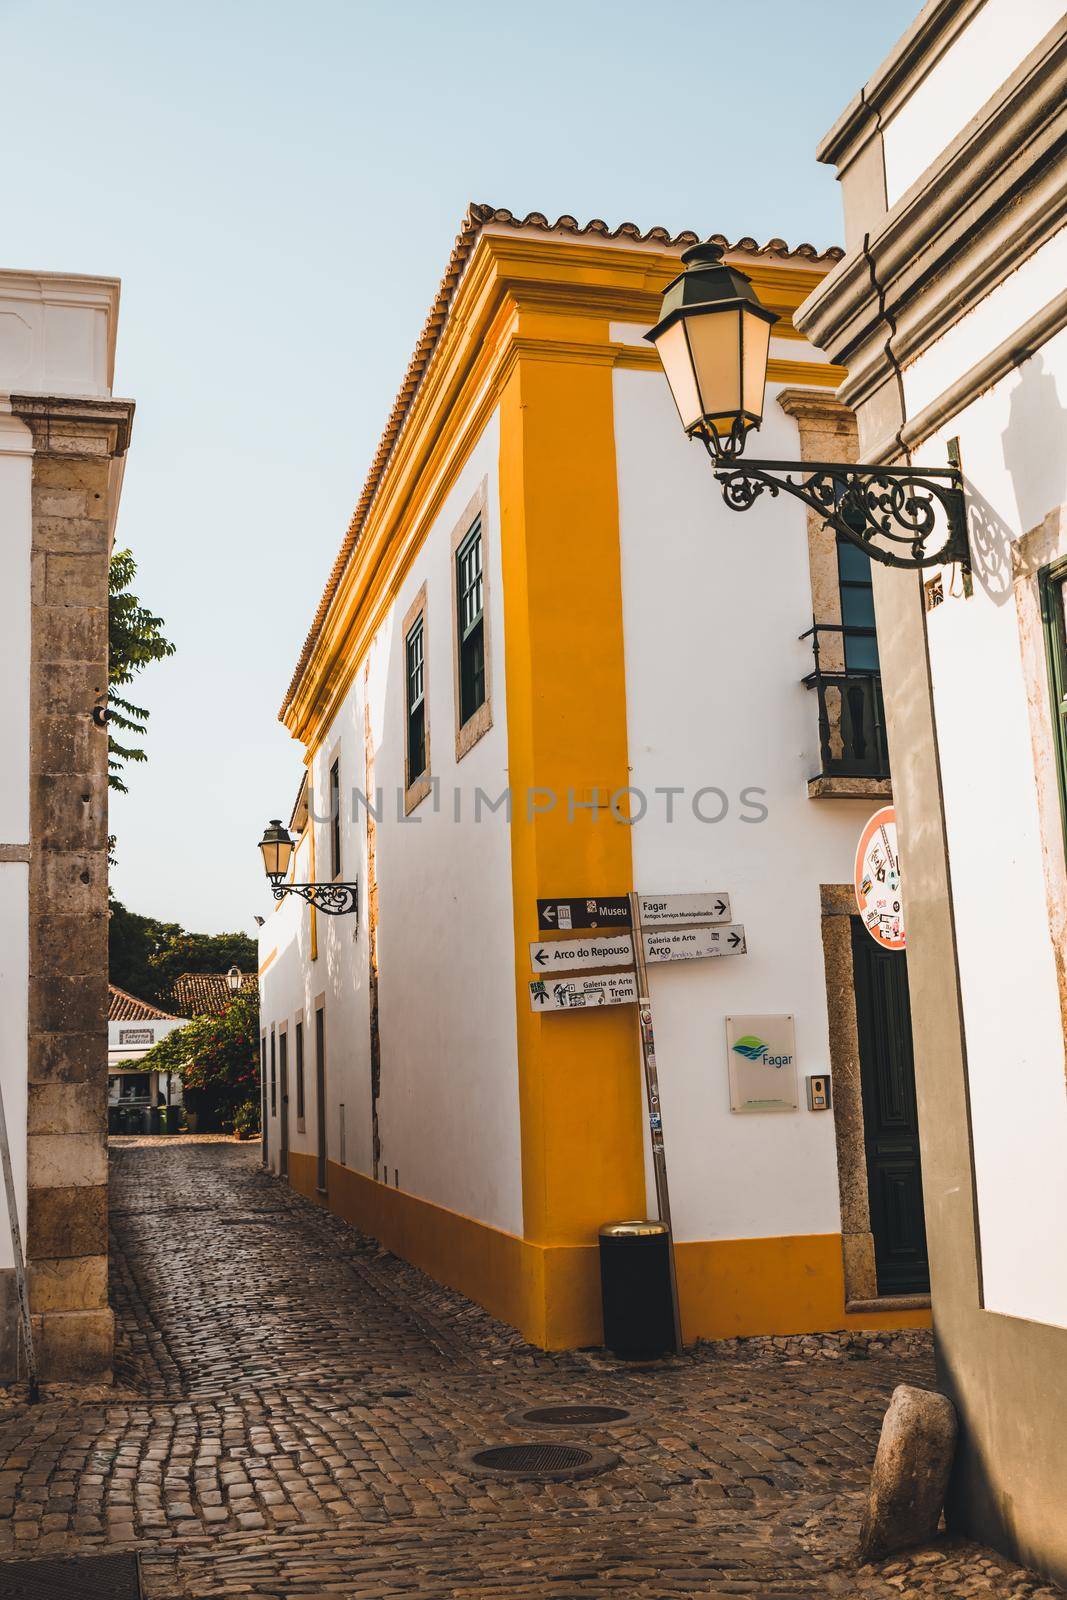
{"x":852,"y":743}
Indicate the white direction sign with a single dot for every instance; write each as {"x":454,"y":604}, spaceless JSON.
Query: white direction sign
{"x":575,"y":955}
{"x":687,"y":944}
{"x":578,"y":994}
{"x":682,"y":910}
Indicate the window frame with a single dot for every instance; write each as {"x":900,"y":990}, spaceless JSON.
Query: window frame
{"x":477,"y":725}
{"x":298,"y":1072}
{"x":416,"y":785}
{"x":273,"y":1072}
{"x":1052,"y":592}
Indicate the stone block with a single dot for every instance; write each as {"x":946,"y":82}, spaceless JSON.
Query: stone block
{"x":70,"y":633}
{"x":68,"y":946}
{"x":73,"y":579}
{"x":9,"y":1326}
{"x":82,"y":536}
{"x":68,"y":1005}
{"x":60,"y":501}
{"x":910,"y":1473}
{"x":66,"y":1160}
{"x":65,"y":745}
{"x":66,"y":1057}
{"x":75,"y":1345}
{"x":63,"y":1108}
{"x":69,"y":810}
{"x":71,"y":881}
{"x":68,"y":688}
{"x":52,"y":472}
{"x":66,"y":1222}
{"x":76,"y":1283}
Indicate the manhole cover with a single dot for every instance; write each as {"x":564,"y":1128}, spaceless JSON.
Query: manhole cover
{"x":536,"y":1459}
{"x":572,"y":1416}
{"x":87,"y":1578}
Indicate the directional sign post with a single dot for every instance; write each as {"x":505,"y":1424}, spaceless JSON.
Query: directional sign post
{"x":689,"y":944}
{"x":578,"y":955}
{"x":682,"y":910}
{"x":583,"y":994}
{"x":595,"y":911}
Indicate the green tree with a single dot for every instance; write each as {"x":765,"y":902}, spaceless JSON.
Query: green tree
{"x":145,"y":955}
{"x":135,"y":639}
{"x":217,"y":1059}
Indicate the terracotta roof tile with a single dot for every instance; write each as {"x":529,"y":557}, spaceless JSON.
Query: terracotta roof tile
{"x":123,"y":1007}
{"x":202,"y":994}
{"x":477,"y":218}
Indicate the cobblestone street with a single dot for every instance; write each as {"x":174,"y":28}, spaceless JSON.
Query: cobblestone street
{"x":291,"y":1407}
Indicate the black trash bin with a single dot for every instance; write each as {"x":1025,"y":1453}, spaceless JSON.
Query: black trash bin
{"x":635,"y":1288}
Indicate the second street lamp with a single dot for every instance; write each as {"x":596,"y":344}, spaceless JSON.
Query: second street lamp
{"x":713,"y":340}
{"x":335,"y":899}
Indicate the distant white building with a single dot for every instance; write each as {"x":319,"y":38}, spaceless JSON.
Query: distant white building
{"x":133,"y":1027}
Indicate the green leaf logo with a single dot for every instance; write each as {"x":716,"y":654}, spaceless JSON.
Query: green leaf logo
{"x":751,"y":1047}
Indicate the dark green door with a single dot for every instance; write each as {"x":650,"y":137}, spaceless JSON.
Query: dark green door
{"x":890,"y":1119}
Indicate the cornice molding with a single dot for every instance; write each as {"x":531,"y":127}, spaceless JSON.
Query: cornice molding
{"x":45,"y":414}
{"x":912,"y":57}
{"x":995,"y":197}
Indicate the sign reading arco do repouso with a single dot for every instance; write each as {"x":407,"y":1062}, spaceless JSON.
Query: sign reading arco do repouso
{"x":877,"y":879}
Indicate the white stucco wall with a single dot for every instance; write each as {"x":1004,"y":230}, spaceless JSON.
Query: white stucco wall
{"x":983,"y":55}
{"x":14,"y":1020}
{"x":713,"y":604}
{"x":1013,"y":442}
{"x":448,"y":1109}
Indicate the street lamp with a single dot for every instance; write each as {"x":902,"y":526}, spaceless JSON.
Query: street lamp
{"x":713,"y":340}
{"x":234,"y":979}
{"x":335,"y":899}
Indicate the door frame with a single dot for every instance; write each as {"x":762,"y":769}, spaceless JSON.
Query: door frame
{"x":322,"y":1161}
{"x":283,"y":1099}
{"x":838,"y":902}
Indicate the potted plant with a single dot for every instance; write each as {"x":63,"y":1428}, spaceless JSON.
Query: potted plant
{"x":246,"y":1120}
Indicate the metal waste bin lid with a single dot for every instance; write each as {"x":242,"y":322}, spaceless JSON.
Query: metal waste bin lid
{"x":641,"y":1229}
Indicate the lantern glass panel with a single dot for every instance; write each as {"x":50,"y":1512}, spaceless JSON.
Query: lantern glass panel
{"x":715,"y":343}
{"x":673,"y":349}
{"x":756,"y":344}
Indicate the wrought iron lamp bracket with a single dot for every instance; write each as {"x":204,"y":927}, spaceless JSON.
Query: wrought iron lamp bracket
{"x":335,"y":899}
{"x":890,"y":512}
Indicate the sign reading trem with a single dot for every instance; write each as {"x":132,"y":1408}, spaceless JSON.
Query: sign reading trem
{"x":763,"y":1063}
{"x":583,"y":994}
{"x":602,"y":911}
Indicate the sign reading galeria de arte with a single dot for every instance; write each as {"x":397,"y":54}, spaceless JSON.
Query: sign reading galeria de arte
{"x":877,"y":879}
{"x":763,"y":1063}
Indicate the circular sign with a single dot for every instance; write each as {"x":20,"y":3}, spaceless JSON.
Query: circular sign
{"x":877,"y":880}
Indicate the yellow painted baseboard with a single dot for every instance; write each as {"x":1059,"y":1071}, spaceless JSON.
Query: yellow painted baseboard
{"x":728,"y":1288}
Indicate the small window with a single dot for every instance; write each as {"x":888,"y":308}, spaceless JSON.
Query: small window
{"x":471,"y":623}
{"x":857,"y":607}
{"x":335,"y":820}
{"x":416,"y":700}
{"x":273,"y":1078}
{"x":300,"y":1071}
{"x":1051,"y":582}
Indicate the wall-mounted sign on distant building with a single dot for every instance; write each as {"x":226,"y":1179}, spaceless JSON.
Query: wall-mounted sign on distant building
{"x":763,"y":1063}
{"x":877,"y":880}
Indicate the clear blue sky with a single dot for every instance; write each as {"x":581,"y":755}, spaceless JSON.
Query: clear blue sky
{"x":278,"y":187}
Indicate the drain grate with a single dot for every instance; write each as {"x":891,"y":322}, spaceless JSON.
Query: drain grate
{"x":573,"y":1416}
{"x":536,"y":1459}
{"x":86,"y":1578}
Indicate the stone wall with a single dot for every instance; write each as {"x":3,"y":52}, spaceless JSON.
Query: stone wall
{"x":74,"y":484}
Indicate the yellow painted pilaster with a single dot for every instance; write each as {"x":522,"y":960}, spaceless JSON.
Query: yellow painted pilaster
{"x":579,"y":1075}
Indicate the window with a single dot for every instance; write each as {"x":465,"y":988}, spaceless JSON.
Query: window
{"x":415,"y":661}
{"x":273,"y":1078}
{"x":1051,"y":582}
{"x":857,"y":606}
{"x":335,"y":820}
{"x":300,"y":1073}
{"x":470,"y":623}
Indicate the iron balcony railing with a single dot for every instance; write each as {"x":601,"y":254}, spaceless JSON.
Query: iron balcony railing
{"x":852,"y":738}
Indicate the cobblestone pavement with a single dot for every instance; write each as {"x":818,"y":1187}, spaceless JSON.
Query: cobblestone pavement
{"x":292,"y":1403}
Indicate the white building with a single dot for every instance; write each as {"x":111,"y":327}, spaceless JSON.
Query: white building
{"x":133,"y":1027}
{"x":949,"y":311}
{"x":542,"y":597}
{"x":62,"y":443}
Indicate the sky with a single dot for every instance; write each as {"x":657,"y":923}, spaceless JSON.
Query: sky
{"x":278,"y":187}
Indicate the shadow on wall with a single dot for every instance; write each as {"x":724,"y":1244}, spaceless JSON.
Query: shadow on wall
{"x":1035,"y":455}
{"x":1035,"y":444}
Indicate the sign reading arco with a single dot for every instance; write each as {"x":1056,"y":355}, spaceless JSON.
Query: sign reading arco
{"x":877,"y":880}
